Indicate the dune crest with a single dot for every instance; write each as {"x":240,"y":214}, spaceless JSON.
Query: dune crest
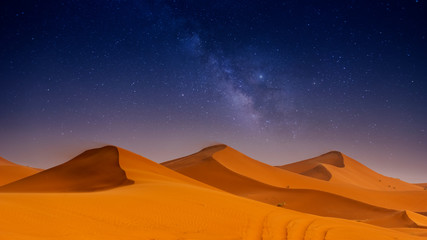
{"x":4,"y":162}
{"x":140,"y":169}
{"x":333,"y":158}
{"x":320,"y":172}
{"x":225,"y":168}
{"x":402,"y":219}
{"x":96,"y":169}
{"x":339,"y":168}
{"x":222,"y":172}
{"x":317,"y":167}
{"x":10,"y":172}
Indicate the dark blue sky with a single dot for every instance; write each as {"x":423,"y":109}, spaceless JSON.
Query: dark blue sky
{"x":278,"y":80}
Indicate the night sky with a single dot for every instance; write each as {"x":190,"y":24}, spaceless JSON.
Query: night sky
{"x":280,"y":81}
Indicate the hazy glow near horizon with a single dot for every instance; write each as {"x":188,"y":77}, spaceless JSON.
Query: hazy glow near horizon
{"x":278,"y":81}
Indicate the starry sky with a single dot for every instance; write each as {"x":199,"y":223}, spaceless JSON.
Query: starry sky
{"x":280,"y":81}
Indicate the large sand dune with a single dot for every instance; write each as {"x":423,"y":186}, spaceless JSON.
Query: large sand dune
{"x":92,"y":170}
{"x":210,"y":171}
{"x":339,"y":168}
{"x":230,"y":170}
{"x":10,"y":172}
{"x":160,"y":204}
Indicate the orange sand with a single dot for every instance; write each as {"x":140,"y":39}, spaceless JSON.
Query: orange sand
{"x":10,"y":172}
{"x":159,"y":204}
{"x":94,"y":169}
{"x":227,"y":169}
{"x":339,"y":168}
{"x":403,"y":219}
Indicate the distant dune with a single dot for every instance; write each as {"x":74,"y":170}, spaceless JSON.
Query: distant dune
{"x":90,"y":197}
{"x":10,"y":172}
{"x":339,"y":168}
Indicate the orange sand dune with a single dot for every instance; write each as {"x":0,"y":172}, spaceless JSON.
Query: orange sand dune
{"x":339,"y":168}
{"x":200,"y":165}
{"x":422,"y":232}
{"x":10,"y":172}
{"x":139,"y":169}
{"x":403,"y":219}
{"x":161,"y":204}
{"x":304,"y":200}
{"x":423,"y":185}
{"x":92,"y":170}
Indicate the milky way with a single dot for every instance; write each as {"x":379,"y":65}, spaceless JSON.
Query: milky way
{"x":278,"y":80}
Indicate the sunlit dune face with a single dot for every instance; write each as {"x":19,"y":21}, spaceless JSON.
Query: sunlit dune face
{"x":110,"y":193}
{"x":10,"y":172}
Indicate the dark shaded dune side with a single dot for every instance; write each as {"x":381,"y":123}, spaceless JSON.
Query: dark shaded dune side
{"x":333,"y":158}
{"x":209,"y":171}
{"x":93,"y":170}
{"x":319,"y":172}
{"x":314,"y":167}
{"x":194,"y":159}
{"x":402,"y":219}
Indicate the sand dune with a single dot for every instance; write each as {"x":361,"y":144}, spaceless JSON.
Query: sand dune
{"x":92,"y":170}
{"x":242,"y":165}
{"x":139,"y":169}
{"x":230,"y":170}
{"x":213,"y":173}
{"x":161,"y":204}
{"x":403,"y":219}
{"x":339,"y":168}
{"x":10,"y":172}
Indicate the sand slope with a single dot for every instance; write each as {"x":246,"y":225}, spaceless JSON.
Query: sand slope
{"x":403,"y":219}
{"x":92,"y":170}
{"x":162,"y":204}
{"x":139,"y":169}
{"x":228,"y":169}
{"x":10,"y":172}
{"x":210,"y":171}
{"x":339,"y":168}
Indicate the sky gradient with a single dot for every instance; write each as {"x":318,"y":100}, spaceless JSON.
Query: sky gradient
{"x":280,"y":81}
